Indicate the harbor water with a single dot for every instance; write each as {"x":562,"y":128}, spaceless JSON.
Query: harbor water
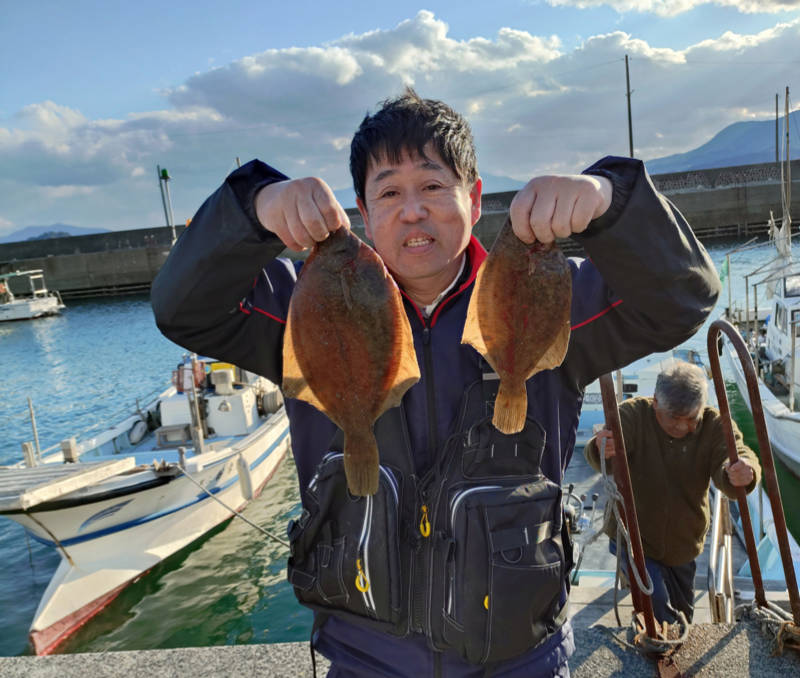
{"x":84,"y":369}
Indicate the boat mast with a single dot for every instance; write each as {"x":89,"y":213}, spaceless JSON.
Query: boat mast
{"x":788,"y":204}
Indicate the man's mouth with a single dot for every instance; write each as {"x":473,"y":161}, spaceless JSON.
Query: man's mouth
{"x":418,"y":242}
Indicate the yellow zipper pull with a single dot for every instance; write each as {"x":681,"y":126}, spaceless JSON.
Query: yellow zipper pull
{"x":424,"y":524}
{"x":361,"y":579}
{"x":486,"y":602}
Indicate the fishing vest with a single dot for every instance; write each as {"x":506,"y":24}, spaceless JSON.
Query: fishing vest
{"x":474,"y":554}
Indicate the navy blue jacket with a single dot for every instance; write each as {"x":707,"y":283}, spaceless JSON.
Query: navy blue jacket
{"x":648,"y":286}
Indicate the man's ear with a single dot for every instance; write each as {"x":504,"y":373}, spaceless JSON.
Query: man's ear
{"x":362,"y":208}
{"x":475,"y":196}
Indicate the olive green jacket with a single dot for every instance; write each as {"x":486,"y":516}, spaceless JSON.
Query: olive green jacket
{"x":670,"y":479}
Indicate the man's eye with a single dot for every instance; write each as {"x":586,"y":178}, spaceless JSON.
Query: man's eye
{"x":388,"y":194}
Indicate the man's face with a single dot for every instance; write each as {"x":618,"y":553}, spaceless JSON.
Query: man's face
{"x":419,"y":215}
{"x":676,"y":426}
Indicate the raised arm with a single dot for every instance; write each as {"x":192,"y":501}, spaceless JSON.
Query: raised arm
{"x":648,"y":284}
{"x":222,"y":292}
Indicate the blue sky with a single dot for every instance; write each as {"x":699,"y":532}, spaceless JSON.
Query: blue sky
{"x":95,"y":94}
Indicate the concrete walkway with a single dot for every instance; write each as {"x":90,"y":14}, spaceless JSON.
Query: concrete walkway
{"x":729,"y":650}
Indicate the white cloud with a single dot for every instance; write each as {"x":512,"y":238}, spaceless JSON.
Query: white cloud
{"x":675,"y":7}
{"x":534,"y":107}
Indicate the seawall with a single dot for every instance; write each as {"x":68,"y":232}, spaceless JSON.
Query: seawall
{"x":723,"y":203}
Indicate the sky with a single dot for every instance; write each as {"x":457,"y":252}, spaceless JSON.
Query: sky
{"x":94,"y":94}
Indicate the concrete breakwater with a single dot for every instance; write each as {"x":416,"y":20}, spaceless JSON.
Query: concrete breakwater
{"x":731,"y":202}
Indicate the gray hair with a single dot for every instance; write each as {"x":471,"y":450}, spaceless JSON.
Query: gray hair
{"x":682,"y":388}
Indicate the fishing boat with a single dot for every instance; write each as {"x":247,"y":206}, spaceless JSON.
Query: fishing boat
{"x":117,"y":503}
{"x":37,"y":302}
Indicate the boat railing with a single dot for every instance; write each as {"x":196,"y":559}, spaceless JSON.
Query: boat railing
{"x":720,"y":562}
{"x":767,"y":463}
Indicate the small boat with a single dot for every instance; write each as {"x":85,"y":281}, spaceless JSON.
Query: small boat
{"x":117,"y":503}
{"x":37,"y":303}
{"x":638,"y":379}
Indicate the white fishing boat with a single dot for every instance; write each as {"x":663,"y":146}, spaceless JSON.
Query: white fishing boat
{"x":638,"y":379}
{"x":117,"y":503}
{"x":772,"y":341}
{"x":36,"y":302}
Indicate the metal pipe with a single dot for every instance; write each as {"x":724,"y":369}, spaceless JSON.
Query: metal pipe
{"x":35,"y":432}
{"x":622,"y":477}
{"x":770,"y":476}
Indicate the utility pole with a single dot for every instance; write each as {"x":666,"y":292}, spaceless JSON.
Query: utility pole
{"x":630,"y":124}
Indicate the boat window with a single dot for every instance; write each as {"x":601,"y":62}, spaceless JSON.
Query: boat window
{"x":780,"y":318}
{"x":791,"y":286}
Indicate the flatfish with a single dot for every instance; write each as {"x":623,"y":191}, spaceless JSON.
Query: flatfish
{"x":348,"y":348}
{"x":518,"y":318}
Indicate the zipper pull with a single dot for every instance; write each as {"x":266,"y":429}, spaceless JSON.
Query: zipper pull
{"x":426,"y":335}
{"x":362,"y":584}
{"x":424,"y":523}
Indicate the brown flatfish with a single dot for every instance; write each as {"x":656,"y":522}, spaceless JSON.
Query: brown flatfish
{"x":518,"y":318}
{"x":348,"y":348}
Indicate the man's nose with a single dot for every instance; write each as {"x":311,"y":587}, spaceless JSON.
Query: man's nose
{"x":413,"y":209}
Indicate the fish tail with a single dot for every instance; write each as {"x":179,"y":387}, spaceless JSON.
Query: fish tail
{"x":510,"y":407}
{"x":361,"y":462}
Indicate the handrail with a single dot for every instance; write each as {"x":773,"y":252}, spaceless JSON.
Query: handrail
{"x":770,"y":476}
{"x":642,"y":602}
{"x":720,"y":562}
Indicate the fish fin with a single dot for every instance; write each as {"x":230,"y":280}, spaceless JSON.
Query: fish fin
{"x":472,"y":334}
{"x":554,"y":355}
{"x":408,"y":369}
{"x":294,"y":383}
{"x":510,"y":407}
{"x":361,"y":462}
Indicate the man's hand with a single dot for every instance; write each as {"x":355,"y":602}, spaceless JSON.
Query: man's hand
{"x":600,"y":436}
{"x":557,"y":206}
{"x":740,"y":474}
{"x":300,"y":211}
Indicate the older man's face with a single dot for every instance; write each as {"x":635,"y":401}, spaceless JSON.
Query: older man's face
{"x":676,"y":426}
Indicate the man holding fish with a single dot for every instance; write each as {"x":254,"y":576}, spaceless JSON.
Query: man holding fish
{"x":445,"y":553}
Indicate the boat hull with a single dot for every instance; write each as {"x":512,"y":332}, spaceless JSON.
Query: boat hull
{"x":107,"y":543}
{"x":783,"y":426}
{"x":24,"y":309}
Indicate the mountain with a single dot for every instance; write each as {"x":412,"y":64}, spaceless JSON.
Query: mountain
{"x":742,"y":143}
{"x":51,"y":231}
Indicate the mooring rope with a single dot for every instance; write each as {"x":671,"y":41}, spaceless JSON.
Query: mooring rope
{"x":612,"y":504}
{"x":774,"y":621}
{"x":234,"y":511}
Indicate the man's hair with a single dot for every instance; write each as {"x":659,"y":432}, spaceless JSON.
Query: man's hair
{"x":681,"y":388}
{"x":407,"y":124}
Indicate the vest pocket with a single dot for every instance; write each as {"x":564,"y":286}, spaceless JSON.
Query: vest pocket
{"x":345,"y":549}
{"x":504,"y":545}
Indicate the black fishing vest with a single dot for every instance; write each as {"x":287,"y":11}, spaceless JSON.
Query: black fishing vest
{"x":475,"y":554}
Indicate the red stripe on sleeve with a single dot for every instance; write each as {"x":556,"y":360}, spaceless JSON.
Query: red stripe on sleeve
{"x":596,"y":316}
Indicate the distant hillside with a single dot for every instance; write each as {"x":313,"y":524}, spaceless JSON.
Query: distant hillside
{"x":742,"y":143}
{"x":51,"y":231}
